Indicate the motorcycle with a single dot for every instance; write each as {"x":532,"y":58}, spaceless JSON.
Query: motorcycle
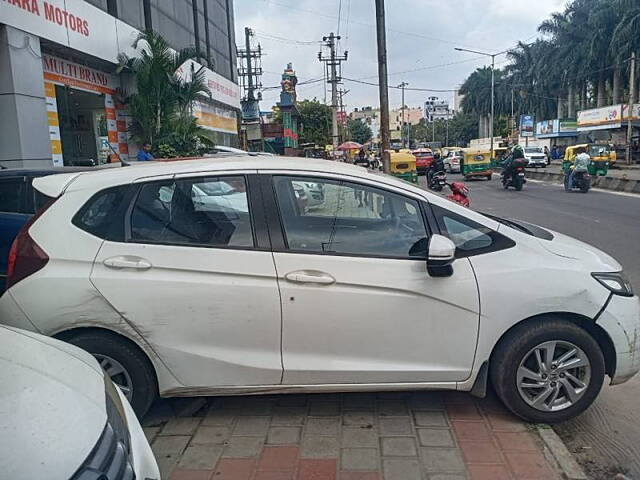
{"x":459,"y":193}
{"x":515,"y":178}
{"x":437,"y":181}
{"x":581,"y":180}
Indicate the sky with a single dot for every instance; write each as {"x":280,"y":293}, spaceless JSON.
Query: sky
{"x":421,"y":36}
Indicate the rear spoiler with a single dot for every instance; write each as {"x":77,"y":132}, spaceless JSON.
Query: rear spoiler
{"x":54,"y":185}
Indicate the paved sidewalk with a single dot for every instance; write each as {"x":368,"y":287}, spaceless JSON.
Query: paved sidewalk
{"x":391,"y":436}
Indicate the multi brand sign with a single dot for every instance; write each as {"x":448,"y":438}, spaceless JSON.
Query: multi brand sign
{"x":58,"y":70}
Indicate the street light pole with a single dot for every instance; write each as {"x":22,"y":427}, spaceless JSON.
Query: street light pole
{"x":402,"y":132}
{"x":493,"y":64}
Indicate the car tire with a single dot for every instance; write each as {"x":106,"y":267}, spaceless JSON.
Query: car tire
{"x":516,"y":348}
{"x":105,"y":346}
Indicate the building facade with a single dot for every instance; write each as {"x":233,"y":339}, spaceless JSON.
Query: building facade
{"x":436,"y":109}
{"x":61,"y":78}
{"x":370,"y":116}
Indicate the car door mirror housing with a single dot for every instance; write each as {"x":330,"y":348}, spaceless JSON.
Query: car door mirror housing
{"x":441,"y":255}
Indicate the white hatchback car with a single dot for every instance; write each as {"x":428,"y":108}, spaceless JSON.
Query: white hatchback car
{"x":384,"y":286}
{"x":61,"y":416}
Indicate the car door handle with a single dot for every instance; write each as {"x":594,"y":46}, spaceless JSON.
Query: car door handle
{"x":127,"y":261}
{"x":310,"y":276}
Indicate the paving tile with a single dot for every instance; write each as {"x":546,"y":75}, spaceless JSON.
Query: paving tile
{"x":181,"y":426}
{"x":187,"y":406}
{"x":435,"y":437}
{"x":234,"y":469}
{"x":392,"y":408}
{"x":458,"y":398}
{"x":292,"y":400}
{"x":182,"y":474}
{"x":529,"y":465}
{"x":358,"y":417}
{"x":266,"y":475}
{"x":283,"y":415}
{"x":480,"y":452}
{"x":398,"y":446}
{"x":150,"y":433}
{"x":256,"y":408}
{"x":324,"y":409}
{"x":426,"y":401}
{"x":447,"y":476}
{"x":284,"y":435}
{"x":314,"y":446}
{"x":472,"y":431}
{"x":395,"y":426}
{"x":516,"y":442}
{"x":200,"y":457}
{"x":358,"y":400}
{"x":254,"y":426}
{"x":488,"y":472}
{"x":278,"y":458}
{"x":463,"y":411}
{"x":359,"y":437}
{"x":441,"y":459}
{"x":216,"y":416}
{"x":242,"y":447}
{"x":167,"y":451}
{"x":215,"y":435}
{"x":317,"y":469}
{"x":359,"y":459}
{"x":430,"y":419}
{"x":506,"y":422}
{"x":322,"y":425}
{"x":359,"y":476}
{"x":401,"y":469}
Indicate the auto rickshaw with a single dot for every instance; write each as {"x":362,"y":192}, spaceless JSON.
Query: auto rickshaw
{"x":476,"y":163}
{"x":500,"y":154}
{"x":402,"y":164}
{"x":602,"y":157}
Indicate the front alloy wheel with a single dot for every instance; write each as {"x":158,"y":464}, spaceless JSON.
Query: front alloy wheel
{"x":553,"y":376}
{"x":117,"y":373}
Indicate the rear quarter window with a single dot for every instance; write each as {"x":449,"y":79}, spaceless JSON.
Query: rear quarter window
{"x":103,"y":214}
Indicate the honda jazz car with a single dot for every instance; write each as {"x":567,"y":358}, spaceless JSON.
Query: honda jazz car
{"x":62,"y":417}
{"x":382,"y":286}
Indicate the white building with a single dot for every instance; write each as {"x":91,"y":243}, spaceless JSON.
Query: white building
{"x":436,"y":109}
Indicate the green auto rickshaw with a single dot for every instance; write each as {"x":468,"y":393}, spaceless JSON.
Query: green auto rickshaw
{"x":476,"y":163}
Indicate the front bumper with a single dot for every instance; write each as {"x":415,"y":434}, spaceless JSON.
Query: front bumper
{"x":621,"y":321}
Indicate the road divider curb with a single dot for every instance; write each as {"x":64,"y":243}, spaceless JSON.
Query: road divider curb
{"x":560,"y":453}
{"x":606,"y":183}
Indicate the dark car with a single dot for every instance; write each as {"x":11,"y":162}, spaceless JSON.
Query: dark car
{"x":18,"y":202}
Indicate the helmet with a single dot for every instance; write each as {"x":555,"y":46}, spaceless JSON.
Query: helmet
{"x":518,"y":148}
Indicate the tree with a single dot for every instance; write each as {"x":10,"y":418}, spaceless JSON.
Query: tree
{"x":359,"y":131}
{"x":315,"y":118}
{"x":161,"y":108}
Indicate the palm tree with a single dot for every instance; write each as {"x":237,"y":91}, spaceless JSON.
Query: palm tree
{"x":161,"y":108}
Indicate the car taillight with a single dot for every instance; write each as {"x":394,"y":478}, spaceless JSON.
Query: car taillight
{"x":26,"y":257}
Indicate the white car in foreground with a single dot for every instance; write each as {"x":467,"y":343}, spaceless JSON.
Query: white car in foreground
{"x":535,"y":156}
{"x":61,"y":417}
{"x":382,"y":286}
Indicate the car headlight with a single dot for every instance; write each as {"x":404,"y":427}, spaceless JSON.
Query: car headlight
{"x":615,"y":282}
{"x":110,"y":458}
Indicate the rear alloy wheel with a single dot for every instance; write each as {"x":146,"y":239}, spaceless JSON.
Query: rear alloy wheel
{"x":547,"y":371}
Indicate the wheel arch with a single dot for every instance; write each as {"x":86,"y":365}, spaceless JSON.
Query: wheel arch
{"x":66,"y":335}
{"x":587,"y":324}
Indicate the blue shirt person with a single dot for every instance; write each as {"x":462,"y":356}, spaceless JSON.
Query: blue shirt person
{"x":144,"y":155}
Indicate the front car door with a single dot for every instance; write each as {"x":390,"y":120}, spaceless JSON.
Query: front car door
{"x":357,"y":303}
{"x":196,"y":278}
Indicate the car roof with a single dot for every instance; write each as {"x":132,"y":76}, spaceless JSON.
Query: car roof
{"x":39,"y":172}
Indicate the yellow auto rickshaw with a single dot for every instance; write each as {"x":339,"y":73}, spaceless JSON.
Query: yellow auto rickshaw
{"x":500,"y":154}
{"x":476,"y":163}
{"x":402,"y":164}
{"x":602,"y":157}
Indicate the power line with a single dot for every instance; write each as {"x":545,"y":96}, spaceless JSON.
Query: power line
{"x":398,"y":87}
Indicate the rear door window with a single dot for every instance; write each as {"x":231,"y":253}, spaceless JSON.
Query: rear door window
{"x":12,"y":195}
{"x":103,"y":214}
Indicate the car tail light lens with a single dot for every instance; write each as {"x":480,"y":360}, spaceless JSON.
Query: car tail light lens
{"x":26,"y":257}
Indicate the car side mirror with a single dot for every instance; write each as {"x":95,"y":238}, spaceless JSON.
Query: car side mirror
{"x":440,"y":257}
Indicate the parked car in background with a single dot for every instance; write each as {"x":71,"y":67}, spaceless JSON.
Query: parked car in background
{"x":535,"y":157}
{"x":18,"y":202}
{"x":453,"y":161}
{"x":62,"y":417}
{"x":178,"y":301}
{"x":424,"y":159}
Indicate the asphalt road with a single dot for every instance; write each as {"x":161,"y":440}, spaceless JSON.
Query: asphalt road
{"x":606,"y":438}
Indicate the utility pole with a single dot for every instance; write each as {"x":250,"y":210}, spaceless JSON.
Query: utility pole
{"x":334,"y":64}
{"x":632,"y":99}
{"x":343,"y":115}
{"x":404,"y":123}
{"x":381,"y":36}
{"x":249,"y":72}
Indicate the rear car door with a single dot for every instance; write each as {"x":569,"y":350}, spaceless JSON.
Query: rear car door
{"x":194,"y":274}
{"x":13,"y":215}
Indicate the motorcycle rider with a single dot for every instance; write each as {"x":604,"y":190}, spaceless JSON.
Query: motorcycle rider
{"x":517,"y":153}
{"x":436,"y":166}
{"x":580,"y":165}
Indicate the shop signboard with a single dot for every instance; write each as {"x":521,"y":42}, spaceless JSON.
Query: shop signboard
{"x":546,"y":127}
{"x":635,"y":112}
{"x":216,"y":118}
{"x":63,"y":72}
{"x":600,"y":118}
{"x":222,"y":90}
{"x":526,"y":125}
{"x":568,"y":125}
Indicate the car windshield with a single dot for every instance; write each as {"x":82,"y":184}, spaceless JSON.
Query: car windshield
{"x":533,"y":150}
{"x":524,"y":227}
{"x":598,"y":150}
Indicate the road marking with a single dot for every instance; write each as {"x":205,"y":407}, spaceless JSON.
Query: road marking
{"x":595,"y":189}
